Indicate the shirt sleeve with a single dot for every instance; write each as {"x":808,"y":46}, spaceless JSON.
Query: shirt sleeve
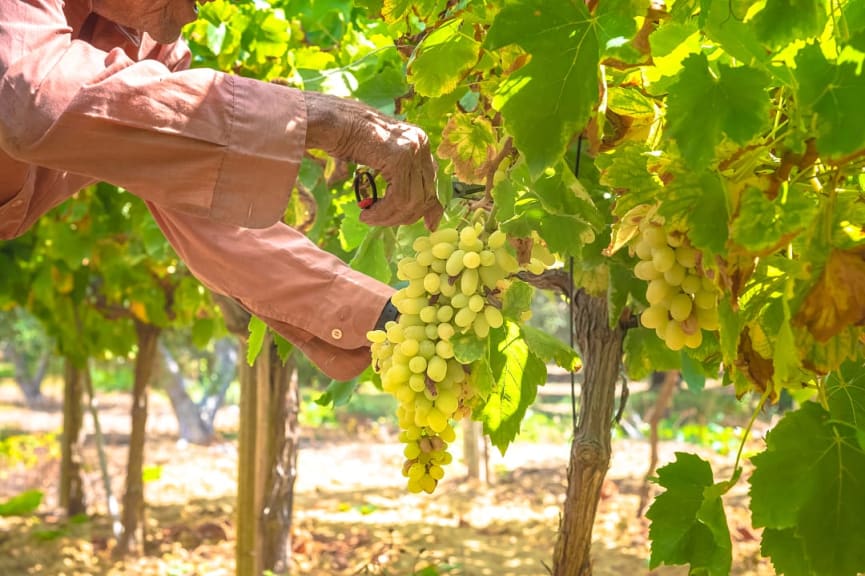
{"x":309,"y":296}
{"x":206,"y":143}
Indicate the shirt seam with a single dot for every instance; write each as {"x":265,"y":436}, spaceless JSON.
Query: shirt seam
{"x":231,"y":123}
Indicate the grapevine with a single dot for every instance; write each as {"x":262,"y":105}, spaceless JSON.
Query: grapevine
{"x":683,"y":300}
{"x":456,"y":279}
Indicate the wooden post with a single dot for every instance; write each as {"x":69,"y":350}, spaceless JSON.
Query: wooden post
{"x":133,"y":497}
{"x":252,"y":456}
{"x":71,"y":486}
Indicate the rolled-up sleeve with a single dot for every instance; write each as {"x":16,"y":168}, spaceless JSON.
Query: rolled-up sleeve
{"x":209,"y":144}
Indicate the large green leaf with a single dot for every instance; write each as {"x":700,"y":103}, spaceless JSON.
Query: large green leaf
{"x":442,"y":59}
{"x":761,"y":223}
{"x":704,"y":105}
{"x":516,"y":373}
{"x":845,"y":390}
{"x":785,"y":549}
{"x":834,"y":93}
{"x":689,"y":525}
{"x":548,"y":100}
{"x":811,"y":478}
{"x":550,"y":349}
{"x":783,"y":21}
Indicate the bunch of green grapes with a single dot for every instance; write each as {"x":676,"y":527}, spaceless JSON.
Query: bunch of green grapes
{"x":454,"y":281}
{"x":682,"y":300}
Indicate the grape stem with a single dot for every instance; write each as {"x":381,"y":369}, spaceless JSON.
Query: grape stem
{"x":737,"y":471}
{"x":506,"y":150}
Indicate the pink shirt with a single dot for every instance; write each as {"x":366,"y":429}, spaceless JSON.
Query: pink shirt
{"x":214,"y":156}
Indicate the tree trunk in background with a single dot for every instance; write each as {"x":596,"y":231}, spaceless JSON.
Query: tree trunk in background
{"x":29,"y":384}
{"x":71,"y":485}
{"x":665,"y":394}
{"x":133,"y":498}
{"x":267,"y":453}
{"x":191,"y":426}
{"x":475,"y":452}
{"x":282,"y":443}
{"x":601,"y":351}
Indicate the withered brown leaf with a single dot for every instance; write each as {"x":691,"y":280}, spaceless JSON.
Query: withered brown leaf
{"x":837,"y":300}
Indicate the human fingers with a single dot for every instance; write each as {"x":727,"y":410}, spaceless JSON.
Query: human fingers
{"x":395,"y":207}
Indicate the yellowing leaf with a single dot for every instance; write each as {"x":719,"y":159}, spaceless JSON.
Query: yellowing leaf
{"x":470,"y":143}
{"x":442,"y":59}
{"x":837,"y":300}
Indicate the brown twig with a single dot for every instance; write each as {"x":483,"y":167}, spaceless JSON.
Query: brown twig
{"x":493,"y":165}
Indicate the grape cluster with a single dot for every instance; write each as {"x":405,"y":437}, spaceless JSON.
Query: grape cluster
{"x":682,"y":300}
{"x":453,"y":280}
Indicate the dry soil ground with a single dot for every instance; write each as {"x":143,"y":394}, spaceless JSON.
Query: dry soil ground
{"x":352,"y":514}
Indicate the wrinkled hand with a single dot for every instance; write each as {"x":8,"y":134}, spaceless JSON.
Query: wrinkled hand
{"x":398,"y":151}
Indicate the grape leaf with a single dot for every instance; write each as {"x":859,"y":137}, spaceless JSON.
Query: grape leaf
{"x":811,"y":466}
{"x":762,"y":223}
{"x":550,"y":349}
{"x":626,"y":170}
{"x":837,"y":299}
{"x":702,"y":106}
{"x":622,"y":284}
{"x":518,"y":299}
{"x":283,"y":348}
{"x":371,"y":259}
{"x":394,"y":10}
{"x":845,"y":391}
{"x":689,"y":525}
{"x":516,"y":373}
{"x":692,"y":373}
{"x":646,"y":353}
{"x":549,"y":99}
{"x":783,"y":21}
{"x":257,"y":332}
{"x":338,"y":393}
{"x":707,"y":215}
{"x":442,"y":59}
{"x":470,"y":143}
{"x":468,"y":347}
{"x":724,"y":23}
{"x":785,"y":550}
{"x":352,"y":231}
{"x":483,"y":380}
{"x":833,"y":92}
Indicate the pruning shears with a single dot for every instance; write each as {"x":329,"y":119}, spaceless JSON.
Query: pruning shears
{"x":366,"y":191}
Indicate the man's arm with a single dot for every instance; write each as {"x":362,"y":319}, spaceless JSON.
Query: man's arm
{"x":308,"y":296}
{"x":206,"y":143}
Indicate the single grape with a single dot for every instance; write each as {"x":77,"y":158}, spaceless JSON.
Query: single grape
{"x":471,"y":260}
{"x":645,"y":270}
{"x":674,"y":336}
{"x":675,"y":275}
{"x":654,"y":316}
{"x":663,"y":258}
{"x":436,"y":369}
{"x":680,"y":307}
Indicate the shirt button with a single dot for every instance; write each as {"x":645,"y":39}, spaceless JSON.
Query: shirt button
{"x":336,"y":333}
